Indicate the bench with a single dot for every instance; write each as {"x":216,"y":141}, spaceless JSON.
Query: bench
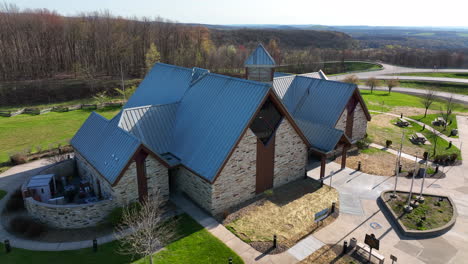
{"x":402,"y":123}
{"x":366,"y":249}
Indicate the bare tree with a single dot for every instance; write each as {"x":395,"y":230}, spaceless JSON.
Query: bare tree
{"x":142,"y":231}
{"x":352,"y":79}
{"x":392,"y":83}
{"x":428,"y":99}
{"x":447,"y":112}
{"x":372,"y":83}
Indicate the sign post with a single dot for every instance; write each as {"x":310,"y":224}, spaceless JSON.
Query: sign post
{"x":320,"y":216}
{"x":372,"y":242}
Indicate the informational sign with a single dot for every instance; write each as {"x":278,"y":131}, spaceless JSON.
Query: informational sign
{"x":393,"y":258}
{"x":321,"y":215}
{"x":372,"y":241}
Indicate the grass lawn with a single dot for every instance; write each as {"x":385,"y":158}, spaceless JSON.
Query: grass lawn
{"x":383,"y":101}
{"x":29,"y":131}
{"x":287,"y":212}
{"x":459,"y":88}
{"x":2,"y":194}
{"x":197,"y":245}
{"x":382,"y":128}
{"x":458,"y":75}
{"x":335,"y":68}
{"x":428,"y":121}
{"x":428,"y":215}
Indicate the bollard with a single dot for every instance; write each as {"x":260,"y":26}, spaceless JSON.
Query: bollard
{"x":7,"y":246}
{"x":450,"y":144}
{"x":437,"y":169}
{"x":424,"y":126}
{"x":401,"y":115}
{"x":345,"y":247}
{"x":274,"y":241}
{"x":333,"y":208}
{"x":399,"y":168}
{"x":230,"y":260}
{"x":359,"y":166}
{"x":68,"y":156}
{"x":95,"y":245}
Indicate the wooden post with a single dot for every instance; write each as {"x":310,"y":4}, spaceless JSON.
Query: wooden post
{"x":343,"y":156}
{"x":322,"y":166}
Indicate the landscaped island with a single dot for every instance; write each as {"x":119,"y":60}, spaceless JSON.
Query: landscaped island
{"x":431,"y":216}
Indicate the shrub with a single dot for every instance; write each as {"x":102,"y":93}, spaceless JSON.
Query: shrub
{"x":453,"y":157}
{"x":27,"y":226}
{"x":363,"y":143}
{"x":18,"y":158}
{"x":15,"y":203}
{"x":388,"y":143}
{"x":115,"y":216}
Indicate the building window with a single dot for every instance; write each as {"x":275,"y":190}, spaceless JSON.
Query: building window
{"x":266,"y":122}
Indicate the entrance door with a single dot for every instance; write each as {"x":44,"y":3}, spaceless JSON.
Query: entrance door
{"x":265,"y":165}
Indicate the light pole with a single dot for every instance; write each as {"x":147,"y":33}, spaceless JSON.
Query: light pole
{"x":421,"y":198}
{"x":397,"y":166}
{"x":408,"y":207}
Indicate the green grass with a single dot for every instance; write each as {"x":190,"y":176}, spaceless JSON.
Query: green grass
{"x":436,"y":213}
{"x":374,"y":101}
{"x":462,"y":34}
{"x":371,"y":151}
{"x":428,"y":121}
{"x":442,"y":146}
{"x":335,"y":68}
{"x":2,"y":194}
{"x":460,"y":75}
{"x":458,"y":88}
{"x":67,"y":103}
{"x":29,"y":131}
{"x":424,"y":34}
{"x":196,"y":246}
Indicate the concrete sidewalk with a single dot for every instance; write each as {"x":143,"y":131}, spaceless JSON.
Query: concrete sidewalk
{"x":245,"y":251}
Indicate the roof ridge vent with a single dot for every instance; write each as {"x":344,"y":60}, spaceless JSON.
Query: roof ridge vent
{"x":198,"y":74}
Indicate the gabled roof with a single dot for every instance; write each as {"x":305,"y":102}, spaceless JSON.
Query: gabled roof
{"x":164,"y":84}
{"x":280,"y":74}
{"x":318,"y":75}
{"x":210,"y":118}
{"x":106,"y":146}
{"x":260,"y":57}
{"x":153,"y":125}
{"x":316,"y":105}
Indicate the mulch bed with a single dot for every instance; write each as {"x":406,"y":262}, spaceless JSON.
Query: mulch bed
{"x":267,"y":247}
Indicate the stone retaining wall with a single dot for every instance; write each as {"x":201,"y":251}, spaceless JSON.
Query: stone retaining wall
{"x":69,"y":216}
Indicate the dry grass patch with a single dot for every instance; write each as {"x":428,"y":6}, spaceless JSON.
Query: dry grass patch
{"x":375,"y":161}
{"x":329,"y":254}
{"x":288,"y":212}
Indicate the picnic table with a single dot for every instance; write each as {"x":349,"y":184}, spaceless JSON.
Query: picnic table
{"x":419,"y":138}
{"x":402,"y":123}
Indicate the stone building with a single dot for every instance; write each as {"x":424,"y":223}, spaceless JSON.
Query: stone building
{"x":218,"y":139}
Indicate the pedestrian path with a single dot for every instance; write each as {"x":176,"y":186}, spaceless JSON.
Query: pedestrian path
{"x":245,"y":251}
{"x":305,"y":247}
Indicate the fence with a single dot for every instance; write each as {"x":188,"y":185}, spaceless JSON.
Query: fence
{"x":38,"y":111}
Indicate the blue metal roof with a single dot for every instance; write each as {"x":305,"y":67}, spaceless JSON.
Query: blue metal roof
{"x":210,"y":119}
{"x":316,"y":105}
{"x":164,"y":84}
{"x":153,"y":125}
{"x":260,"y":57}
{"x":322,"y":138}
{"x":105,"y":146}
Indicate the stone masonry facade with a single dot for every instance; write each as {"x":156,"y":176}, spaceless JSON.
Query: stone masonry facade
{"x":69,"y":216}
{"x":359,"y":123}
{"x":290,"y":155}
{"x":198,"y":189}
{"x":236,"y":182}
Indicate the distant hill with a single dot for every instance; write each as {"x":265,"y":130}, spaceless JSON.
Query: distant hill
{"x":288,"y":38}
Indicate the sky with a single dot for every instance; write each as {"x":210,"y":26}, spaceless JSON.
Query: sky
{"x":447,"y":13}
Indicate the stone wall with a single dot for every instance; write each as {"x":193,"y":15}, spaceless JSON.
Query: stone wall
{"x":360,"y":123}
{"x":237,"y":181}
{"x":126,"y":190}
{"x":69,"y":216}
{"x":341,"y":124}
{"x":64,"y":168}
{"x":194,"y":186}
{"x":290,"y":155}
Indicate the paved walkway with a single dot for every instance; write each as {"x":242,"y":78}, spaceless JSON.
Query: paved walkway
{"x":11,"y":180}
{"x":245,"y":251}
{"x":359,"y":191}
